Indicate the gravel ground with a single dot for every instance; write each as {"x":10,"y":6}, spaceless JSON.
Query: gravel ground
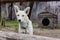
{"x":55,"y":33}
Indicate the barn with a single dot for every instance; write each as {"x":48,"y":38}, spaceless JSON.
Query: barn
{"x":37,"y":13}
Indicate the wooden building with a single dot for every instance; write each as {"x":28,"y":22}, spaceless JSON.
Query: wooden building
{"x":42,"y":16}
{"x":47,"y":20}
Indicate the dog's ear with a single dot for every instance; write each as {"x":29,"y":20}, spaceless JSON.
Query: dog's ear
{"x":16,"y":8}
{"x":27,"y":10}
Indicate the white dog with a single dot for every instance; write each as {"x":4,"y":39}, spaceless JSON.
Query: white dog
{"x":25,"y":25}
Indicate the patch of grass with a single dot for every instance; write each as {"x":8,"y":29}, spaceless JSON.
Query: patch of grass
{"x":14,"y":23}
{"x":11,"y":23}
{"x":0,"y":23}
{"x":35,"y":25}
{"x":58,"y":26}
{"x":0,"y":27}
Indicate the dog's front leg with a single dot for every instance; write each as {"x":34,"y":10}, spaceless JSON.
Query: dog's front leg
{"x":30,"y":28}
{"x":19,"y":28}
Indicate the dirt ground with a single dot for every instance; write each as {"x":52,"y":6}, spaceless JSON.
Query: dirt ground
{"x":55,"y":33}
{"x":40,"y":31}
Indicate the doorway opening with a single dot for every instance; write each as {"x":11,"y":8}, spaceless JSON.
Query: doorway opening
{"x":45,"y":21}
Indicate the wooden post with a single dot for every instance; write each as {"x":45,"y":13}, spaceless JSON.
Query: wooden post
{"x":2,"y":16}
{"x":3,"y":19}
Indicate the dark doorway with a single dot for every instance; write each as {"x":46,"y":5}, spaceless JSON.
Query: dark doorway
{"x":45,"y":21}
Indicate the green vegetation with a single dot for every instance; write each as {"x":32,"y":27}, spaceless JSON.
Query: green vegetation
{"x":11,"y":23}
{"x":14,"y":24}
{"x":35,"y":25}
{"x":58,"y":26}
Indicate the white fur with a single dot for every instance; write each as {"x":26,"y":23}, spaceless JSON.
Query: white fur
{"x":25,"y":22}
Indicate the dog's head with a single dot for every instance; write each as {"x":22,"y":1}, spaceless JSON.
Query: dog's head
{"x":21,"y":15}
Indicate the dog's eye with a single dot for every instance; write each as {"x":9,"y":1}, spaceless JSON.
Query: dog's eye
{"x":17,"y":15}
{"x":23,"y":15}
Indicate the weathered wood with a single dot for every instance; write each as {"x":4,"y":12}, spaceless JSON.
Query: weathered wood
{"x":11,"y":1}
{"x":15,"y":36}
{"x":2,"y":15}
